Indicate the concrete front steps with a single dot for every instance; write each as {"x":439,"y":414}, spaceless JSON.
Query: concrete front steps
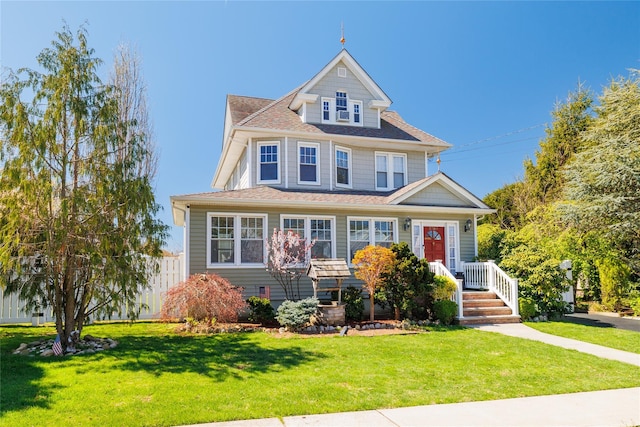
{"x":484,"y":307}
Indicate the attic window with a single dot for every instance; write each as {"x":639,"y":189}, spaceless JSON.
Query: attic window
{"x":342,"y":72}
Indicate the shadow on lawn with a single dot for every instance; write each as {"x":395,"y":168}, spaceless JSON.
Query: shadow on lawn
{"x":216,"y":356}
{"x":21,"y":388}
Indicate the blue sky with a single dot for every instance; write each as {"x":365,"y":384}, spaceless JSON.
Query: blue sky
{"x":483,"y":76}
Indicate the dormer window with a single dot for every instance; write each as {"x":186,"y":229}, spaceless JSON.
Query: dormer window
{"x":341,"y":101}
{"x":356,"y":112}
{"x":341,"y":110}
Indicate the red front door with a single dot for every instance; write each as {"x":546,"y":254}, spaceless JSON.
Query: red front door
{"x":434,"y":244}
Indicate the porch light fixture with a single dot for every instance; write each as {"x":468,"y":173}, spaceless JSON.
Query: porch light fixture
{"x":467,"y":226}
{"x":407,"y":223}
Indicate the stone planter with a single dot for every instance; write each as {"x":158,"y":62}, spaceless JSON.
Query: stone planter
{"x":333,"y":314}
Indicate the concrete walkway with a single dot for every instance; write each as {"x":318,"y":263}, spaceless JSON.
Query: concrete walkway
{"x":522,"y":331}
{"x":598,"y":408}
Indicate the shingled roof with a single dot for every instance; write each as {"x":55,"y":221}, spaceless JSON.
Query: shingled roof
{"x":388,"y":201}
{"x":261,"y":113}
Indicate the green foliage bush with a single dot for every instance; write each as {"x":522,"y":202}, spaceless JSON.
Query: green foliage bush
{"x":443,"y":287}
{"x":634,"y":302}
{"x":407,"y":285}
{"x":540,"y":275}
{"x":295,"y":314}
{"x":445,"y":311}
{"x":261,"y":310}
{"x":490,"y":238}
{"x":354,"y":303}
{"x":527,"y":308}
{"x":614,"y":282}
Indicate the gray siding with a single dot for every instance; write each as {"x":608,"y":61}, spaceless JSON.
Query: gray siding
{"x":324,"y":164}
{"x":362,"y":164}
{"x":436,"y":195}
{"x":356,"y":91}
{"x":252,"y":278}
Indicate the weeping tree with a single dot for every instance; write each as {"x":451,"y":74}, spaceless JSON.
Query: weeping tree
{"x":76,"y":199}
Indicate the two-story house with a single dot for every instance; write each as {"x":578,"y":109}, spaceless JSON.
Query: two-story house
{"x":331,"y":162}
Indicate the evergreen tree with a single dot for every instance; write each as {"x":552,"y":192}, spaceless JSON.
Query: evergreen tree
{"x":78,"y":209}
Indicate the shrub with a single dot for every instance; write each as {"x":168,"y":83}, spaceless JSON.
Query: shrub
{"x":527,"y":308}
{"x":296,"y":314}
{"x":261,"y":310}
{"x":443,"y":288}
{"x":406,"y":285}
{"x":203,"y":298}
{"x":614,"y":282}
{"x":445,"y":311}
{"x":540,"y":277}
{"x":354,"y":303}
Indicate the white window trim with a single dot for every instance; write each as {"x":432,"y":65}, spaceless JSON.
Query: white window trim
{"x":418,"y":250}
{"x":237,"y":240}
{"x":372,"y":230}
{"x":317,"y":147}
{"x":307,"y":227}
{"x":353,"y":114}
{"x":278,"y":167}
{"x":390,"y":170}
{"x":332,"y":110}
{"x":350,"y":166}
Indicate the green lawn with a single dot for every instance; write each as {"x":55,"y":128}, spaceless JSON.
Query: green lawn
{"x":608,"y":337}
{"x":155,"y":377}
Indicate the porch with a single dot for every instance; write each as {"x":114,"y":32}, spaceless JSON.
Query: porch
{"x":485,"y":295}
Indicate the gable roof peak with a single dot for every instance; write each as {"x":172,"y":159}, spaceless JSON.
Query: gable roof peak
{"x":347,"y":59}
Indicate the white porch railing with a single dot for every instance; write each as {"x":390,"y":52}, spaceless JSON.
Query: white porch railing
{"x":487,"y":275}
{"x":439,"y":269}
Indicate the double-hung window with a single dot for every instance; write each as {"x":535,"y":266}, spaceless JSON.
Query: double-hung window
{"x":341,"y":110}
{"x":326,"y":110}
{"x":268,"y":162}
{"x":308,"y":163}
{"x":319,"y":230}
{"x":371,"y":231}
{"x":236,"y":239}
{"x":343,"y":167}
{"x":390,"y":171}
{"x":341,"y":101}
{"x":356,"y":112}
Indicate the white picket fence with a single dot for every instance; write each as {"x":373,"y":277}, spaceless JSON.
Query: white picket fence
{"x":169,"y":274}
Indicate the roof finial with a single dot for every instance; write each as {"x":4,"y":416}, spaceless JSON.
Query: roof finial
{"x":342,"y":39}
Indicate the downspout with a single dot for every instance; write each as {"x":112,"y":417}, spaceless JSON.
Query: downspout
{"x":186,"y":243}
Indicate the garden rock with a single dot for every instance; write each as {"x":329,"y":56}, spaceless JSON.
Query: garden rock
{"x":87,"y":345}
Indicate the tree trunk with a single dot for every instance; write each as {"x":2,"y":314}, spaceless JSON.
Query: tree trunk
{"x":396,"y":313}
{"x":372,"y":304}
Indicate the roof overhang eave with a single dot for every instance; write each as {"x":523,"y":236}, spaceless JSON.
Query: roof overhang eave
{"x":179,"y":203}
{"x":439,"y":145}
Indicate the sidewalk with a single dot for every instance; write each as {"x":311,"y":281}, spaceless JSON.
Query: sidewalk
{"x":522,"y":331}
{"x":614,"y":408}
